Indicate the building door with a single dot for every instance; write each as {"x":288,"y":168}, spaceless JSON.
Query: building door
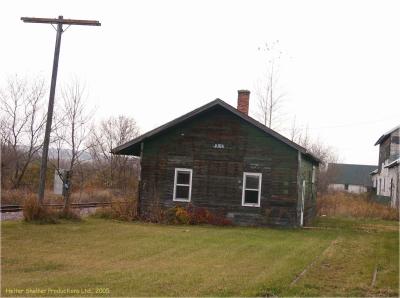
{"x":303,"y":194}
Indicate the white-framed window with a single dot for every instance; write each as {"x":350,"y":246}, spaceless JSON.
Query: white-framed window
{"x":183,"y":185}
{"x":251,"y":193}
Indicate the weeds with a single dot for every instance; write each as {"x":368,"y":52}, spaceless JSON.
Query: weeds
{"x":68,"y":215}
{"x":123,"y":209}
{"x":354,"y":205}
{"x":193,"y":216}
{"x":18,"y":196}
{"x":33,"y":212}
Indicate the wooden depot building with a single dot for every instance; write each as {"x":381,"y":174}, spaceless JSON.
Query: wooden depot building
{"x":219,"y":158}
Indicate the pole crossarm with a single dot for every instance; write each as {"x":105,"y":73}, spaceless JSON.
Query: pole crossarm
{"x":61,"y":21}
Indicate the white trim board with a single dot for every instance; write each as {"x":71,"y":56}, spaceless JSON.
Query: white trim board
{"x":190,"y":171}
{"x":259,"y":176}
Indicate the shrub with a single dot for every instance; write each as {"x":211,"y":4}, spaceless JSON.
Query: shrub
{"x":354,"y":205}
{"x":177,"y":215}
{"x":69,"y":215}
{"x":125,"y":209}
{"x":103,"y":212}
{"x":33,"y":212}
{"x":199,"y":215}
{"x":194,"y":215}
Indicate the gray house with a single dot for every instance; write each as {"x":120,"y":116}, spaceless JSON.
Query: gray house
{"x":386,"y":176}
{"x":349,"y":177}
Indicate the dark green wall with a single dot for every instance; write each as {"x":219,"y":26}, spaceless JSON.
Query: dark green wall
{"x":218,"y":173}
{"x":310,"y":199}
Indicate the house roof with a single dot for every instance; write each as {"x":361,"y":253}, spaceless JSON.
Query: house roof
{"x":393,"y":163}
{"x":350,"y":174}
{"x":134,"y":145}
{"x":386,"y":135}
{"x":374,"y":172}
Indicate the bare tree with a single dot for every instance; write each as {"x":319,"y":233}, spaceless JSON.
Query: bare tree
{"x":295,"y":131}
{"x":324,"y":152}
{"x":114,"y":131}
{"x":71,"y":131}
{"x":304,"y":139}
{"x":270,"y":97}
{"x":327,"y":155}
{"x":21,"y":125}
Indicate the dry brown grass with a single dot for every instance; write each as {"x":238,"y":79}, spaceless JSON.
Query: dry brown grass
{"x":120,"y":209}
{"x":33,"y":212}
{"x":354,"y":205}
{"x":18,"y":196}
{"x":14,"y":196}
{"x":93,"y":195}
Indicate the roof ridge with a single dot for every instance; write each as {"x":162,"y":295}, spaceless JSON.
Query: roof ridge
{"x":350,"y":164}
{"x":205,"y":107}
{"x":383,"y":137}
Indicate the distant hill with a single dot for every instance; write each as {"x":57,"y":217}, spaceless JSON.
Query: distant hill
{"x":66,"y":154}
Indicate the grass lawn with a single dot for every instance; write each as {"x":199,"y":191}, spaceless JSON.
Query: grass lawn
{"x":137,"y":259}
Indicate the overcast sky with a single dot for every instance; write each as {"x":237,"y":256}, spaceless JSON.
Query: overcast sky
{"x":156,"y":60}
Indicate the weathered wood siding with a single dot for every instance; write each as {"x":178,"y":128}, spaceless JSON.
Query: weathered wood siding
{"x":218,"y":173}
{"x":310,"y":198}
{"x":384,"y":152}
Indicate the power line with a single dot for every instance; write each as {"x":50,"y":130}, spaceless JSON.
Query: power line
{"x":60,"y":21}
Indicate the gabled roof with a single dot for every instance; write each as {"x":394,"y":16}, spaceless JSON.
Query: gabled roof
{"x":339,"y":173}
{"x":124,"y":148}
{"x":374,"y":172}
{"x":386,"y":135}
{"x":393,"y":163}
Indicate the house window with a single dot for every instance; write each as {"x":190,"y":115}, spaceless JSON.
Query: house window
{"x":251,"y":193}
{"x":183,"y":185}
{"x":346,"y":187}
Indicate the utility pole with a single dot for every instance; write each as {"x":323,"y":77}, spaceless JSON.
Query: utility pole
{"x":60,"y":21}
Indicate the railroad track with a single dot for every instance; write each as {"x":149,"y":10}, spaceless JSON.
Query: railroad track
{"x":16,"y":208}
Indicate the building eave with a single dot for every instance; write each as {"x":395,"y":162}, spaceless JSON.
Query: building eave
{"x":374,"y":172}
{"x":124,"y":148}
{"x":393,"y":164}
{"x":386,"y":135}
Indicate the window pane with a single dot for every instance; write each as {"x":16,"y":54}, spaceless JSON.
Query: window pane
{"x":183,"y":178}
{"x":252,"y":182}
{"x":251,"y":197}
{"x":182,"y":192}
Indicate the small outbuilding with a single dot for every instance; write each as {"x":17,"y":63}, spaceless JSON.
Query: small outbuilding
{"x":219,"y":158}
{"x":349,"y":177}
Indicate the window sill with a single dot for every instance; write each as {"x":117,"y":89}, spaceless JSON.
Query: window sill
{"x":250,"y":205}
{"x":181,"y":200}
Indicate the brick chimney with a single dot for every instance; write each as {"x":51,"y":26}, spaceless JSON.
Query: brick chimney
{"x":243,"y":101}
